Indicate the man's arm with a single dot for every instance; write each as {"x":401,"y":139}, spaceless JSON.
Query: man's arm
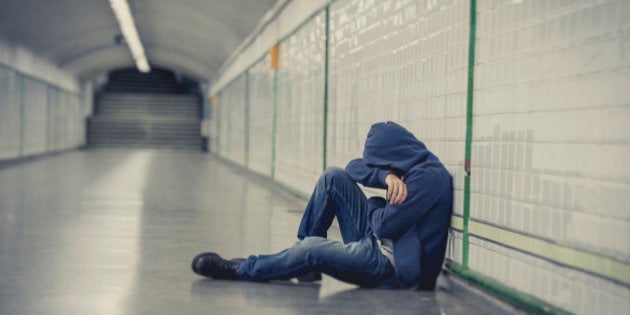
{"x":366,"y":175}
{"x":389,"y":220}
{"x":396,"y":189}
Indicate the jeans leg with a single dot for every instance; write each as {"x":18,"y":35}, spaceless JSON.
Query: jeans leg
{"x":335,"y":194}
{"x":358,"y":262}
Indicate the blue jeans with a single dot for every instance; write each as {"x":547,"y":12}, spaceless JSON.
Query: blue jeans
{"x":357,"y":260}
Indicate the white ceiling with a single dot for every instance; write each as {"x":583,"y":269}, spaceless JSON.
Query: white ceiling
{"x":190,"y":36}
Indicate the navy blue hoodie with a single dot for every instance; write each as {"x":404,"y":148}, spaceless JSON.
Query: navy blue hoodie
{"x":418,"y":226}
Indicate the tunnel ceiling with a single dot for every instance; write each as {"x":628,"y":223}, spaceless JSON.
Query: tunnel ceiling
{"x":191,"y":36}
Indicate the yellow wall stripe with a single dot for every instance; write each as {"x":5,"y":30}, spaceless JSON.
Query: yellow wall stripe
{"x":604,"y":266}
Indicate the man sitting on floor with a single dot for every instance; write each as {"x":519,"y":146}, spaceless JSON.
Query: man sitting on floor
{"x":398,"y":242}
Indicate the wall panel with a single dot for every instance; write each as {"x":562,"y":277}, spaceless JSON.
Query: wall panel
{"x":300,"y":112}
{"x":261,"y":103}
{"x":551,"y":142}
{"x":35,"y":117}
{"x":10,"y":114}
{"x":230,"y":111}
{"x":223,"y":124}
{"x":400,"y":61}
{"x":215,"y":129}
{"x":236,"y":98}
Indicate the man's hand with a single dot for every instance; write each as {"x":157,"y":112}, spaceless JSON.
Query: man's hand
{"x":396,"y":189}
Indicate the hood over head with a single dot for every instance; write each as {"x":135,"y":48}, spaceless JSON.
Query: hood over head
{"x":390,"y":145}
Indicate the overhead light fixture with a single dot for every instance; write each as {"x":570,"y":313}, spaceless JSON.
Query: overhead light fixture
{"x":128,"y":28}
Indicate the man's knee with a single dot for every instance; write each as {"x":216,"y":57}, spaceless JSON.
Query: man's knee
{"x":334,"y":176}
{"x":311,"y":248}
{"x":332,"y":172}
{"x":311,"y":241}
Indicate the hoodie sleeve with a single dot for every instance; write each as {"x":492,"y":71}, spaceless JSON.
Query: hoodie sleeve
{"x":390,"y":221}
{"x":366,"y":175}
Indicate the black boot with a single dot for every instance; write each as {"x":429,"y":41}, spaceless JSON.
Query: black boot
{"x":212,"y":265}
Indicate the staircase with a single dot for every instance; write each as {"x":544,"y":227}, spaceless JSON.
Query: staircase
{"x":145,"y":111}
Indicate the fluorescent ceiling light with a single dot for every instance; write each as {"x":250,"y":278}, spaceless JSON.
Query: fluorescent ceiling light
{"x":128,"y":28}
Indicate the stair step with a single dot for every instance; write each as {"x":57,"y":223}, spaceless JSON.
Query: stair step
{"x":145,"y":104}
{"x":145,"y":136}
{"x":145,"y":120}
{"x":122,"y":132}
{"x":118,"y":106}
{"x":148,"y":95}
{"x":144,"y":130}
{"x":190,"y":109}
{"x":146,"y":144}
{"x":150,"y":109}
{"x":163,"y":141}
{"x":146,"y":116}
{"x":153,"y":98}
{"x":157,"y":103}
{"x":191,"y":141}
{"x":145,"y":95}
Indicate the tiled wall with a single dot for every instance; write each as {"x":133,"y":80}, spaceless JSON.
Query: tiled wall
{"x":36,"y":117}
{"x":215,"y":119}
{"x":261,"y":102}
{"x":10,"y":114}
{"x":300,"y":120}
{"x":404,"y":62}
{"x":551,"y":132}
{"x":232,"y":128}
{"x":551,"y":142}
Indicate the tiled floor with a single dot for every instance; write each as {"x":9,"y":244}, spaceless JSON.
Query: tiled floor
{"x":114,"y":231}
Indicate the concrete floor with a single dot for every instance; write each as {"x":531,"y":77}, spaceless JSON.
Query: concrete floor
{"x":114,"y":231}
